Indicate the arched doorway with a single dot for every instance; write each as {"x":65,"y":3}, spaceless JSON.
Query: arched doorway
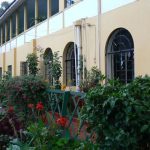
{"x":120,"y":56}
{"x":69,"y":58}
{"x":48,"y":58}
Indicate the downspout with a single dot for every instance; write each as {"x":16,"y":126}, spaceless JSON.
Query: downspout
{"x":99,"y":30}
{"x":78,"y":55}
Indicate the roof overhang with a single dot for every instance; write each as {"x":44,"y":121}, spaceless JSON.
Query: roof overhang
{"x":11,"y":9}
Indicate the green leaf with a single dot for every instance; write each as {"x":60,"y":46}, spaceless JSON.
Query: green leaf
{"x":144,"y":128}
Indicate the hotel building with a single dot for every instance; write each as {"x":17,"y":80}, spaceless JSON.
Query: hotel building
{"x":110,"y":34}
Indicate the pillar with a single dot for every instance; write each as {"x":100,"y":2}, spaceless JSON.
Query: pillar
{"x":48,"y":14}
{"x":78,"y":41}
{"x":34,"y":45}
{"x":15,"y":61}
{"x":17,"y":24}
{"x":10,"y":28}
{"x":1,"y":35}
{"x":25,"y":17}
{"x":61,"y":5}
{"x":5,"y":32}
{"x":48,"y":8}
{"x":4,"y":69}
{"x":36,"y":11}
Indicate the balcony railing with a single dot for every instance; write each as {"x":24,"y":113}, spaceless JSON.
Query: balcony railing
{"x":82,"y":9}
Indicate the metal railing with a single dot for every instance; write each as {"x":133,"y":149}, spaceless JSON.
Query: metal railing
{"x":68,"y":104}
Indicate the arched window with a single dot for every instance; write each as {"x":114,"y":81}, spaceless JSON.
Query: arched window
{"x":48,"y":58}
{"x":70,"y":64}
{"x":120,"y":56}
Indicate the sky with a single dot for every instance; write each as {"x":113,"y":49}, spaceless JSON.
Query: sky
{"x":5,"y":0}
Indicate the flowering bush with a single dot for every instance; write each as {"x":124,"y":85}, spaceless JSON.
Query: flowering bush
{"x":39,"y":106}
{"x":10,"y":126}
{"x":31,"y":106}
{"x":61,"y":121}
{"x":25,"y":90}
{"x":10,"y":109}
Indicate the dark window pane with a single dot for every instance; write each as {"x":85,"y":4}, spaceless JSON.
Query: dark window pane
{"x":23,"y":68}
{"x":42,"y":10}
{"x":70,"y":66}
{"x":8,"y":30}
{"x":54,"y":7}
{"x":122,"y":56}
{"x":3,"y":32}
{"x":21,"y":19}
{"x":0,"y":36}
{"x":14,"y":25}
{"x":10,"y":70}
{"x":30,"y":13}
{"x":0,"y":72}
{"x":48,"y":58}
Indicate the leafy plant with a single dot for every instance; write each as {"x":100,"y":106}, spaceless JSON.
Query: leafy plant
{"x":32,"y":61}
{"x":56,"y":69}
{"x":119,"y":114}
{"x":93,"y":78}
{"x":10,"y":126}
{"x":20,"y":91}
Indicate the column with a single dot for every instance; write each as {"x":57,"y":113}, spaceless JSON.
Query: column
{"x":17,"y":24}
{"x":61,"y":5}
{"x":15,"y":61}
{"x":1,"y":35}
{"x":78,"y":41}
{"x":25,"y":17}
{"x":48,"y":8}
{"x":4,"y":69}
{"x":48,"y":14}
{"x":10,"y":28}
{"x":36,"y":11}
{"x":5,"y":31}
{"x":34,"y":45}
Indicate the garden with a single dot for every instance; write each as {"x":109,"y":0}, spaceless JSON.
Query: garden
{"x":105,"y":115}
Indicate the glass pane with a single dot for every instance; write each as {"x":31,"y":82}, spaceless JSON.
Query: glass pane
{"x":54,"y":7}
{"x":8,"y":30}
{"x":14,"y":25}
{"x":3,"y":33}
{"x":30,"y":13}
{"x":0,"y":36}
{"x":21,"y":19}
{"x":42,"y":10}
{"x":0,"y":72}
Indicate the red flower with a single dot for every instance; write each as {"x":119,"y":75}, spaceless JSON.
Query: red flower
{"x":11,"y":109}
{"x":61,"y":121}
{"x":39,"y":106}
{"x":31,"y":106}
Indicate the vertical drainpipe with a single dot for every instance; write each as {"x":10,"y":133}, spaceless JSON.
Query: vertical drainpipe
{"x":36,"y":17}
{"x":99,"y":31}
{"x":48,"y":14}
{"x":17,"y":28}
{"x":78,"y":56}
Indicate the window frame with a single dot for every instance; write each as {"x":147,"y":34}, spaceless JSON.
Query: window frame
{"x":120,"y":56}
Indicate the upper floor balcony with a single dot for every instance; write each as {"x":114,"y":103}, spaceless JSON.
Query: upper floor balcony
{"x":62,"y":19}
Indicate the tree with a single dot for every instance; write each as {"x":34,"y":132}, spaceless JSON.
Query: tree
{"x":32,"y":61}
{"x":4,"y":6}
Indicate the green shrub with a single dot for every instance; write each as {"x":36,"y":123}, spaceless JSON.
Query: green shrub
{"x":93,"y":78}
{"x":32,"y":61}
{"x":119,"y":114}
{"x":20,"y":91}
